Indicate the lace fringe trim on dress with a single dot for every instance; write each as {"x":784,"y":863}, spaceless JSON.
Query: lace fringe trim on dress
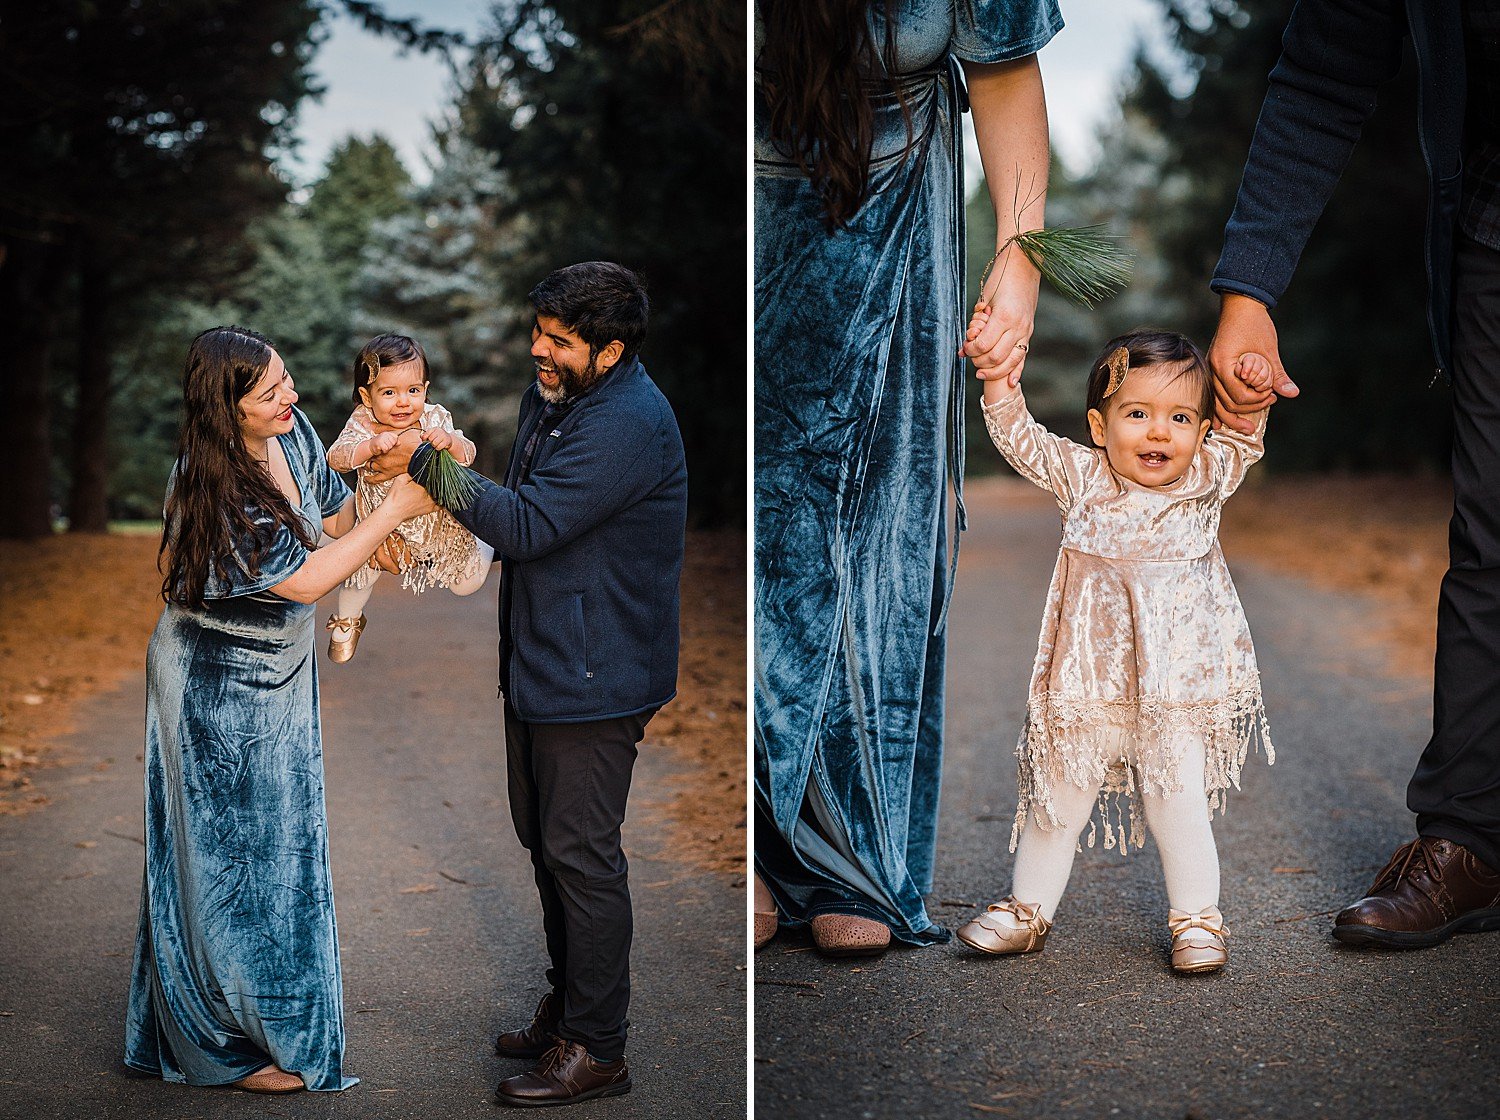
{"x":1108,"y":743}
{"x":444,"y":555}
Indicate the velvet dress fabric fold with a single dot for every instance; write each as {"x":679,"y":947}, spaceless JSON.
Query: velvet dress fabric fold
{"x":858,"y":430}
{"x":236,"y":960}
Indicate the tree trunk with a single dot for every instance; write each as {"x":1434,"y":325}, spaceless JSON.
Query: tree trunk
{"x":88,"y":498}
{"x":31,"y":280}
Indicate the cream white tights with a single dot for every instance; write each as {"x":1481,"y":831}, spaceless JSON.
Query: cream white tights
{"x":1178,"y":822}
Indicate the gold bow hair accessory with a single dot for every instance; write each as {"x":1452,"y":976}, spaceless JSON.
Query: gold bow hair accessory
{"x":1119,"y":365}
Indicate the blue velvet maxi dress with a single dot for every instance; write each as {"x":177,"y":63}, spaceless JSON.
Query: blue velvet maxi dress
{"x":236,"y":960}
{"x":858,"y":428}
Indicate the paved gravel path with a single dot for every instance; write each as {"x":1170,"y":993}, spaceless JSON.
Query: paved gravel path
{"x":1097,"y":1025}
{"x":438,"y":916}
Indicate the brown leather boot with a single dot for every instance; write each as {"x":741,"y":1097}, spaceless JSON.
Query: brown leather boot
{"x":1430,"y":890}
{"x":566,"y":1075}
{"x":537,"y":1037}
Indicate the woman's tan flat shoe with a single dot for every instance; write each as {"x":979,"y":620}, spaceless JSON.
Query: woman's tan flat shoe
{"x":272,"y":1079}
{"x":847,"y":935}
{"x":1198,"y":940}
{"x":1008,"y":926}
{"x":342,"y":649}
{"x":765,"y":914}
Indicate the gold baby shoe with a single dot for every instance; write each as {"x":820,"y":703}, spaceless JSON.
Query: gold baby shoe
{"x":1007,"y":926}
{"x":342,"y":649}
{"x":1198,"y":940}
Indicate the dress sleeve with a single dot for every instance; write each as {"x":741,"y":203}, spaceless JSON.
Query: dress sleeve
{"x":436,"y":416}
{"x":1002,"y":30}
{"x":356,"y":431}
{"x":283,"y":557}
{"x":1043,"y":459}
{"x":1229,"y":454}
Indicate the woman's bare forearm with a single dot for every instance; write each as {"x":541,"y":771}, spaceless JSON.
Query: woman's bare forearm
{"x":325,"y":568}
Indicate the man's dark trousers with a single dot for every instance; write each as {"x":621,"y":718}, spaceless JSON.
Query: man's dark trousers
{"x":568,"y":783}
{"x":1455,"y":790}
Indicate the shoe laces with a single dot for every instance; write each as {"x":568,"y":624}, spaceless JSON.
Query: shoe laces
{"x":555,"y":1057}
{"x":1413,"y":863}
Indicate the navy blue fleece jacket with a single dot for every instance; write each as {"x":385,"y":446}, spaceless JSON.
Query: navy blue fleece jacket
{"x":592,"y":543}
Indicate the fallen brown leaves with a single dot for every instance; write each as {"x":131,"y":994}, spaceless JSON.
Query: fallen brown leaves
{"x":78,"y":611}
{"x":1385,"y":536}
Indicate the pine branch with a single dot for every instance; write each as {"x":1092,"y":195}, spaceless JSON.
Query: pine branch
{"x":1086,"y":264}
{"x":451,"y":484}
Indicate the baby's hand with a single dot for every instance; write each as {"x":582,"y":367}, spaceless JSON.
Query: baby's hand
{"x":1255,"y":371}
{"x":383,"y":442}
{"x":977,"y":321}
{"x":439,"y":439}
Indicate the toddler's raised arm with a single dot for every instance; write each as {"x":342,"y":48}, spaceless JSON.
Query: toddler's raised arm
{"x":1043,"y":459}
{"x":1231,"y":453}
{"x":352,"y":448}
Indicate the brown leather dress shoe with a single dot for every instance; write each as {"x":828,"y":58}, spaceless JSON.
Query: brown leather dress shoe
{"x":1430,"y":890}
{"x":566,"y":1075}
{"x":537,"y":1037}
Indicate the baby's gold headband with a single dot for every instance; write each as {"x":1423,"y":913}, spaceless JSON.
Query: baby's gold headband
{"x":1119,"y":365}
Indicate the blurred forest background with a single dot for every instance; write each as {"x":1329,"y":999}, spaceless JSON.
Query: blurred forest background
{"x":1353,"y":324}
{"x":141,"y":203}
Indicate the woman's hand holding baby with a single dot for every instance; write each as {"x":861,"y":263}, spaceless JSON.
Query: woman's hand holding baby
{"x":409,"y":499}
{"x":999,"y":332}
{"x":998,"y":379}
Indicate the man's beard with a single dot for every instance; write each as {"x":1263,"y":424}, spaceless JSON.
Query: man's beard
{"x":571,"y":383}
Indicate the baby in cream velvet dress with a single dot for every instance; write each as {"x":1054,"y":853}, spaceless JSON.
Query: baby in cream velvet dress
{"x":1145,"y":691}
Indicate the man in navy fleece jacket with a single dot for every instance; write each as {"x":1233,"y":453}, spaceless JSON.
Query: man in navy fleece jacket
{"x":589,"y":526}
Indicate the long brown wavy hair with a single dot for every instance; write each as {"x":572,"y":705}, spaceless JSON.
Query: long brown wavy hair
{"x":218,"y":488}
{"x":815,"y":68}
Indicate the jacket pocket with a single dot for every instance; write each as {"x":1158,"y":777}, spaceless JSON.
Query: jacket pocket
{"x":580,"y":634}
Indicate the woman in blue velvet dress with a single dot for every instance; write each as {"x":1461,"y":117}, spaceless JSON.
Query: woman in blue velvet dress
{"x":236,"y":977}
{"x":859,"y":340}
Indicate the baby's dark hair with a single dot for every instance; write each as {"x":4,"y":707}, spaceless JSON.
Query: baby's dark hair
{"x":381,"y":351}
{"x":1149,"y":346}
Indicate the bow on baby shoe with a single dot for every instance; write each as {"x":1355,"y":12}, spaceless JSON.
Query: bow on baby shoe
{"x":1208,"y":919}
{"x":1025,"y":911}
{"x":1198,"y":940}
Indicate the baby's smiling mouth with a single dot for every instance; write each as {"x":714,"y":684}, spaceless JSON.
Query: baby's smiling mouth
{"x":1154,"y":458}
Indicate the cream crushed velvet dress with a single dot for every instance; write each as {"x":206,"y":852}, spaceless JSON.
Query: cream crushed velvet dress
{"x":1144,"y":641}
{"x":440,"y":551}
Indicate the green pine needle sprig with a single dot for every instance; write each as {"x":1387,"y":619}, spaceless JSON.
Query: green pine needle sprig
{"x":1086,"y":264}
{"x":451,"y":484}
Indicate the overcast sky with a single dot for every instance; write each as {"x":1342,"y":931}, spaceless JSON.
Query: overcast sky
{"x":372,"y":87}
